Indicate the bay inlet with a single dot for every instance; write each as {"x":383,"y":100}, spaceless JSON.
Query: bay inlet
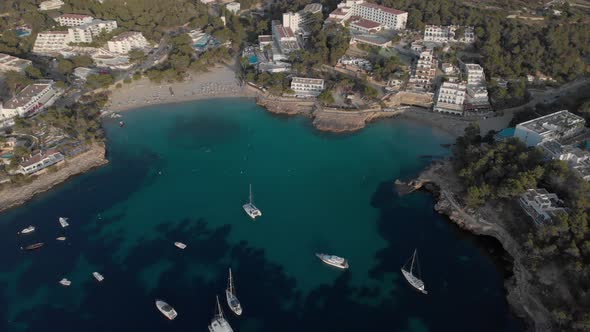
{"x":182,"y":172}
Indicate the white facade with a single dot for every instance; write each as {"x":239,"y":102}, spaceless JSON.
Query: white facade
{"x":285,"y":39}
{"x":390,"y":18}
{"x":40,"y":161}
{"x":555,"y":126}
{"x":50,"y":42}
{"x":72,"y":20}
{"x":51,"y":5}
{"x":12,"y":63}
{"x":475,"y":74}
{"x":445,"y":34}
{"x":292,"y":20}
{"x":306,"y":87}
{"x":540,"y":205}
{"x":31,"y":100}
{"x":85,"y":32}
{"x":233,"y":7}
{"x":450,"y":98}
{"x":423,"y":72}
{"x":127,"y":41}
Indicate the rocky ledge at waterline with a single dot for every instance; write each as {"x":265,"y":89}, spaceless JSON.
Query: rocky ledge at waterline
{"x":523,"y":296}
{"x":13,"y":195}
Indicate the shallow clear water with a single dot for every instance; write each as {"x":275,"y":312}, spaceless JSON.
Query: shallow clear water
{"x":181,"y":173}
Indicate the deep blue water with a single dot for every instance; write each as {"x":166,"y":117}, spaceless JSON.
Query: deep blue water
{"x":181,"y":173}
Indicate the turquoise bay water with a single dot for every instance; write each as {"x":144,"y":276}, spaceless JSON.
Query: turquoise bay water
{"x":181,"y":173}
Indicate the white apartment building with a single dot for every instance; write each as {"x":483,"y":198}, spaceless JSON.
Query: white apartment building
{"x":31,"y":100}
{"x":12,"y":63}
{"x":577,"y":159}
{"x":388,"y":17}
{"x":126,"y":41}
{"x":474,"y":73}
{"x":541,"y":205}
{"x":85,"y":32}
{"x":298,"y":21}
{"x":423,"y":72}
{"x":555,"y":126}
{"x":72,"y":20}
{"x":285,"y":39}
{"x":445,"y":34}
{"x":477,"y":99}
{"x":307,"y":87}
{"x":40,"y":161}
{"x":450,"y":98}
{"x":233,"y":7}
{"x":51,"y":42}
{"x":51,"y":5}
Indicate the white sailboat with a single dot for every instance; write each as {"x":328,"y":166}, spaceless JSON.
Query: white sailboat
{"x":415,"y":281}
{"x":63,"y":222}
{"x":230,"y":295}
{"x":250,"y":209}
{"x":218,"y":323}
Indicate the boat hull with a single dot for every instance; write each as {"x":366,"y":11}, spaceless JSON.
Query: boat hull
{"x":220,"y":325}
{"x":415,"y":282}
{"x":233,"y":303}
{"x":342,"y":266}
{"x":170,"y":313}
{"x":251,"y":210}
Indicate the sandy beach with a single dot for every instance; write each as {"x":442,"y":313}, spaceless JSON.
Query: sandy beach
{"x":220,"y":82}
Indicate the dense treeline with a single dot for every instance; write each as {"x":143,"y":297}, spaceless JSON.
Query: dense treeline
{"x":501,"y":171}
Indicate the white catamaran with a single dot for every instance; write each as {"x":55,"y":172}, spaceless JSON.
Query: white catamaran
{"x":250,"y":209}
{"x":218,"y":323}
{"x":230,"y":295}
{"x":415,"y":281}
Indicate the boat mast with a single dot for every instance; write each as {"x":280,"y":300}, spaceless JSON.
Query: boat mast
{"x":231,"y":283}
{"x":219,"y":312}
{"x":250,"y":193}
{"x":413,"y":257}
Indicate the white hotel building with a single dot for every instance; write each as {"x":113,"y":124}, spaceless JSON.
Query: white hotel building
{"x":12,"y":63}
{"x":72,"y":20}
{"x":389,"y":18}
{"x":450,"y":98}
{"x":555,"y":126}
{"x":85,"y":32}
{"x":307,"y":87}
{"x":51,"y":42}
{"x":445,"y":34}
{"x":31,"y":100}
{"x":126,"y":41}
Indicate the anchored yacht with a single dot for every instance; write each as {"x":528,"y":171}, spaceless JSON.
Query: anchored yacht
{"x":98,"y":276}
{"x":218,"y":323}
{"x":65,"y":282}
{"x":63,"y":222}
{"x":180,"y":245}
{"x":166,"y":309}
{"x":415,"y":281}
{"x":28,"y":230}
{"x":250,"y":209}
{"x":230,"y":295}
{"x":336,"y":261}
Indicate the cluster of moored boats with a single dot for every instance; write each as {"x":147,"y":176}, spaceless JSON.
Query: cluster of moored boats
{"x":218,"y":323}
{"x":63,"y":222}
{"x":411,"y":274}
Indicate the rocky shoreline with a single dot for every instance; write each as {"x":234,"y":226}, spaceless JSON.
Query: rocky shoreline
{"x":522,"y":294}
{"x":14,"y":196}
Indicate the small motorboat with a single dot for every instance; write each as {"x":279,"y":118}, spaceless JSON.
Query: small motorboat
{"x":63,"y":222}
{"x":61,"y":238}
{"x":65,"y":282}
{"x":98,"y":276}
{"x":34,"y":246}
{"x":121,"y":124}
{"x":28,"y":230}
{"x":166,"y":309}
{"x":180,"y":245}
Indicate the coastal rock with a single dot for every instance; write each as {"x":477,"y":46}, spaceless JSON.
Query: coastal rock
{"x":521,"y":293}
{"x":13,"y":196}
